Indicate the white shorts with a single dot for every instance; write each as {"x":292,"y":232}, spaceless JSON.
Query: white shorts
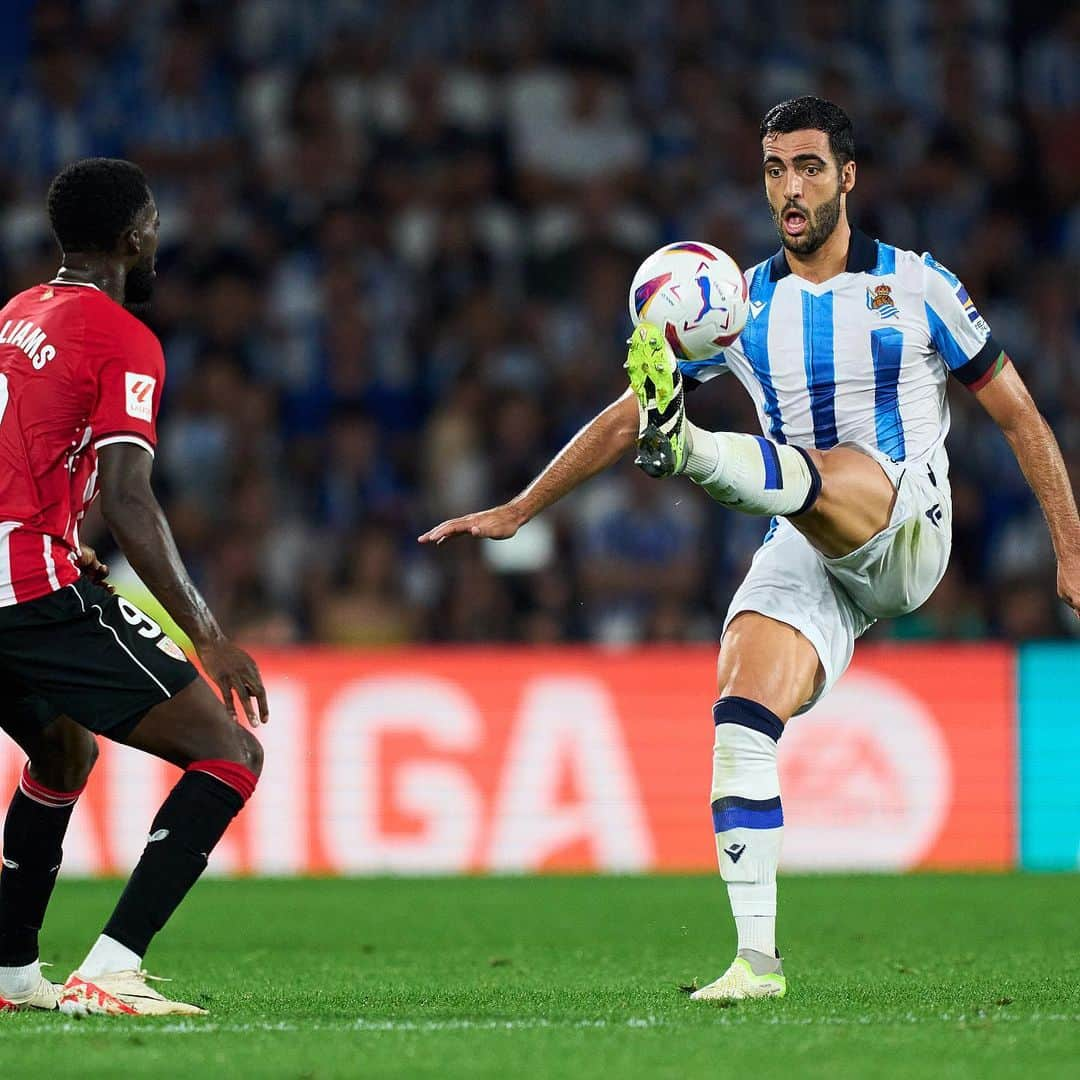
{"x":834,"y":601}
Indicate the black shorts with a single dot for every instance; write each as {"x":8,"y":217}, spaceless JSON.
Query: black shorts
{"x":83,"y":652}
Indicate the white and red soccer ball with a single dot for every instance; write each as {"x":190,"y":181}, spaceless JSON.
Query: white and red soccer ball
{"x":696,"y":293}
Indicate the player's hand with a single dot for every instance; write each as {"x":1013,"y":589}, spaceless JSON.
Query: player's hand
{"x":93,"y":567}
{"x":498,"y":523}
{"x":235,"y":672}
{"x":1068,"y":582}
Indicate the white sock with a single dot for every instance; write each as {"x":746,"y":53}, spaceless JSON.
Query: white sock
{"x":108,"y":956}
{"x":749,"y":473}
{"x":754,"y":908}
{"x":18,"y":981}
{"x":748,"y":818}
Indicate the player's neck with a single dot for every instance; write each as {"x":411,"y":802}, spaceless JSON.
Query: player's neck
{"x":94,"y":269}
{"x":829,"y":260}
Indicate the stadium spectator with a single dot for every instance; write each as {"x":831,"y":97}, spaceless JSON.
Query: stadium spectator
{"x":394,"y":262}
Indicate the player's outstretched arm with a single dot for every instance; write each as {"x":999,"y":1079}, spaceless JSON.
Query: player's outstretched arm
{"x":137,"y":522}
{"x":1007,"y":400}
{"x":600,"y":443}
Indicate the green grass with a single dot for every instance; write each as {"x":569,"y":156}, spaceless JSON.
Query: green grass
{"x":951,"y":976}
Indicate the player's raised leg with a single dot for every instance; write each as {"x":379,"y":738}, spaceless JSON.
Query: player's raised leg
{"x":61,"y":755}
{"x":767,"y":670}
{"x":839,"y":498}
{"x":221,"y":763}
{"x":745,"y":472}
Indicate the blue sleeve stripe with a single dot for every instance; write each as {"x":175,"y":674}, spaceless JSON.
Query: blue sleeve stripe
{"x":947,"y":345}
{"x":774,"y":477}
{"x":887,"y":350}
{"x":817,"y":320}
{"x":734,"y":812}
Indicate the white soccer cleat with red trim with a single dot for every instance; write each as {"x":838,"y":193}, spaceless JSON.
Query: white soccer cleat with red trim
{"x":120,"y":993}
{"x":45,"y":996}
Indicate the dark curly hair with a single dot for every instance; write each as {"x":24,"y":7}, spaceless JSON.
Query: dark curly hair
{"x":811,"y":113}
{"x":91,"y":202}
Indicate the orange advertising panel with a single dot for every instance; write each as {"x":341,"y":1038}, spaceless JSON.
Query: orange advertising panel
{"x":515,"y":760}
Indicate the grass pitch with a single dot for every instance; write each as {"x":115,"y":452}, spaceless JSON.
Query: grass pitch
{"x":944,"y":976}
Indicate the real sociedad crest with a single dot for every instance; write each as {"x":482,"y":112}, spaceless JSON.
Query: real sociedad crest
{"x":880,"y":300}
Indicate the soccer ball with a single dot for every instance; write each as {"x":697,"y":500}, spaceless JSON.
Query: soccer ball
{"x":695,"y":292}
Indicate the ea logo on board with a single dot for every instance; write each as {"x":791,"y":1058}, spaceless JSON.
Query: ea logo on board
{"x":865,"y":778}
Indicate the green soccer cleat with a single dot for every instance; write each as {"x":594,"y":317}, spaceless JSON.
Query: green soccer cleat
{"x":741,"y":982}
{"x":657,"y":384}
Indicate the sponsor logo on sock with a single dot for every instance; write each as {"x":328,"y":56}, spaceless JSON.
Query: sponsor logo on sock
{"x":756,"y":307}
{"x":734,"y":851}
{"x":11,"y":864}
{"x":159,"y":834}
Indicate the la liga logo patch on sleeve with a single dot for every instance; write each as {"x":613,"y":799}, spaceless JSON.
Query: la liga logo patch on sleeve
{"x":139,"y":395}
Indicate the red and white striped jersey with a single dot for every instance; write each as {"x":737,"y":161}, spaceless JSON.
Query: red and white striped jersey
{"x":77,"y":372}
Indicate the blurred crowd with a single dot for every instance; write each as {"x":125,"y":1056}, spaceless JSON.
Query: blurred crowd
{"x":396,"y":244}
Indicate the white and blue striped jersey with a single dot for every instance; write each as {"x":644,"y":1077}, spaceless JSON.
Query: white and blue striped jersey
{"x":862,"y":357}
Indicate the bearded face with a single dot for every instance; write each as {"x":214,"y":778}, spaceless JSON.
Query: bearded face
{"x":803,"y":230}
{"x":805,"y":187}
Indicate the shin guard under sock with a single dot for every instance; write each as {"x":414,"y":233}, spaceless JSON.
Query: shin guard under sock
{"x":34,"y":829}
{"x":185,"y":831}
{"x":748,"y":818}
{"x":752,"y":474}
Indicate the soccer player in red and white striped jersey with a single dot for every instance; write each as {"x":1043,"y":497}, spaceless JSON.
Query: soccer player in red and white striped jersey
{"x":80,"y":384}
{"x":78,"y":373}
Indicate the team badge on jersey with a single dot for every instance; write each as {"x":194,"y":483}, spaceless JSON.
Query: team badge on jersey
{"x":139,"y":395}
{"x":880,"y":299}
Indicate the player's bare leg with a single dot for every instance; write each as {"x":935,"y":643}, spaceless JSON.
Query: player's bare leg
{"x":839,"y":498}
{"x":854,"y":504}
{"x":61,"y":755}
{"x":769,"y":662}
{"x":222,"y":762}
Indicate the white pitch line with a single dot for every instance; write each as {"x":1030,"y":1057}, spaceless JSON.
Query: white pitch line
{"x":11,"y":1026}
{"x":42,"y":1025}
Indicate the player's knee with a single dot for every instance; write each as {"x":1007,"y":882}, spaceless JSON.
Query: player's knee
{"x":236,"y":761}
{"x":65,"y":757}
{"x":225,"y":740}
{"x":83,"y":762}
{"x":240,"y":747}
{"x":252,"y":752}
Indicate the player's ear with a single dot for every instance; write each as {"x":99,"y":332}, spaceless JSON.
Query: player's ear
{"x":132,"y":242}
{"x":847,"y":177}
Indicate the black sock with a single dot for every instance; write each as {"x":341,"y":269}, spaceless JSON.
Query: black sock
{"x":187,"y":828}
{"x":33,"y":848}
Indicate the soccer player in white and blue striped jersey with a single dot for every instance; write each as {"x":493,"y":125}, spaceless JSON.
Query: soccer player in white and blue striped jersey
{"x":846,"y":355}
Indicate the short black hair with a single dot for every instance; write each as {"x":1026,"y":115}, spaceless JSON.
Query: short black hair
{"x":811,"y":113}
{"x":93,"y":201}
